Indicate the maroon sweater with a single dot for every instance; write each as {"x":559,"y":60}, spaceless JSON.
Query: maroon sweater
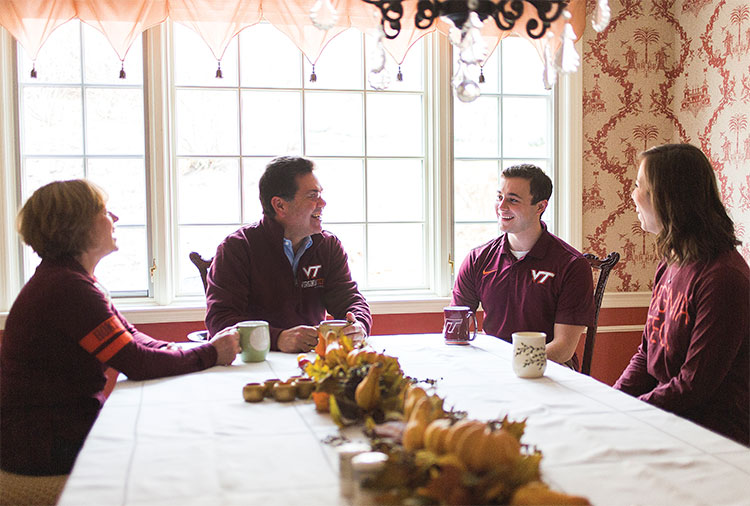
{"x":251,"y":279}
{"x":60,"y":336}
{"x":693,"y":358}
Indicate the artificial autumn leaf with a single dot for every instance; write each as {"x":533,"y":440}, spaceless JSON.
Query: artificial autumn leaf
{"x":443,"y":483}
{"x":526,"y":469}
{"x":516,"y":429}
{"x":333,"y":407}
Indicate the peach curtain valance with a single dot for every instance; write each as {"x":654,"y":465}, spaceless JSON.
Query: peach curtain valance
{"x":218,"y":21}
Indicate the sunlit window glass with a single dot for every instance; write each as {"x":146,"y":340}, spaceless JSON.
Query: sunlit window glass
{"x":79,"y":119}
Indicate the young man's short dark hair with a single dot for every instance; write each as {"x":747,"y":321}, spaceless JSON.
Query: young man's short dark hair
{"x":540,"y":184}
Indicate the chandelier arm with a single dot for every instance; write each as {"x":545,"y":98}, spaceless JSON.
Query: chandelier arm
{"x":547,"y":12}
{"x":391,"y":12}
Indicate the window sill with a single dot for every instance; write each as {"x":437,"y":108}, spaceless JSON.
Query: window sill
{"x":138,"y":312}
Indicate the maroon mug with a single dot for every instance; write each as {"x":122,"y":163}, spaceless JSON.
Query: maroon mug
{"x":457,"y":324}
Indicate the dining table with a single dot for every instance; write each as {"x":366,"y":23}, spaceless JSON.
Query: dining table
{"x":193,"y":440}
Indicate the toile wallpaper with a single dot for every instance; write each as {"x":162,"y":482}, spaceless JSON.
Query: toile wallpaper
{"x":663,"y":71}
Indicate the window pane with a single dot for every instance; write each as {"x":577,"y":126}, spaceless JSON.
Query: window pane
{"x":208,"y":190}
{"x":329,"y":71}
{"x":343,"y":183}
{"x":126,"y":270}
{"x":111,"y":110}
{"x":412,"y":69}
{"x":195,"y":64}
{"x":333,"y":124}
{"x":491,"y":71}
{"x":396,"y":256}
{"x":352,"y":237}
{"x":204,"y":240}
{"x":206,"y":122}
{"x":39,"y":171}
{"x":391,"y":201}
{"x":475,"y":190}
{"x":103,"y":63}
{"x":476,"y":127}
{"x":471,"y":235}
{"x":271,"y":123}
{"x":526,"y":128}
{"x":253,"y":169}
{"x":125,"y":183}
{"x":279,"y":66}
{"x":394,"y":125}
{"x":58,"y":61}
{"x":518,"y":53}
{"x":52,"y":121}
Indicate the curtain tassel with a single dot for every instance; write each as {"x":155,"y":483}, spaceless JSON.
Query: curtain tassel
{"x":219,"y":74}
{"x":313,"y":77}
{"x":122,"y":70}
{"x":399,"y":76}
{"x":481,"y":74}
{"x":33,"y":70}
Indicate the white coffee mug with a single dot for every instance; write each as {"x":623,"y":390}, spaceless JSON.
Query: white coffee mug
{"x":529,"y":354}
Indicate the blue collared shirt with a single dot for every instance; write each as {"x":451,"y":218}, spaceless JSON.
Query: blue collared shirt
{"x":289,"y":251}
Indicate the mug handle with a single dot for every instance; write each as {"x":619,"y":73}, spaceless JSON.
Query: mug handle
{"x":474,"y":316}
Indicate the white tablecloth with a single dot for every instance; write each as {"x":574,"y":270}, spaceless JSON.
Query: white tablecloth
{"x":193,"y":440}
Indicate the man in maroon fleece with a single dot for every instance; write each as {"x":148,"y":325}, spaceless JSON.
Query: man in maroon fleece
{"x":285,"y":269}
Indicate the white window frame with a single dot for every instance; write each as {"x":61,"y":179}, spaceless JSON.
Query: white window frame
{"x":163,"y":306}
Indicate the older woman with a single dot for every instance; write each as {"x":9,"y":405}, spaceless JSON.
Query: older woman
{"x":693,"y":359}
{"x":63,"y":332}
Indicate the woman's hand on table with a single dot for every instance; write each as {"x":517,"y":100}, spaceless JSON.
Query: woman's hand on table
{"x":227,"y":344}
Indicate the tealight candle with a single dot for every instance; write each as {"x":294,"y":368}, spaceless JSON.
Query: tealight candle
{"x":346,"y":476}
{"x":365,"y":466}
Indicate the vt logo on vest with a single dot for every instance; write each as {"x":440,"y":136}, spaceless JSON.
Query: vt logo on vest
{"x":311,"y":272}
{"x":541,"y":276}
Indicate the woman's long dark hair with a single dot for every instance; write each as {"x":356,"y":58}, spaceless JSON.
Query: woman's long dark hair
{"x":695,"y":224}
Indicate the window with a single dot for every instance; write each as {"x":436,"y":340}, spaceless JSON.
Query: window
{"x":369,"y":148}
{"x":380,"y":154}
{"x":510,"y":123}
{"x":78,"y":119}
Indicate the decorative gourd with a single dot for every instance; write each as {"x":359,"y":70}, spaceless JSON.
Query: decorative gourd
{"x":454,"y":433}
{"x":410,"y":400}
{"x":367,"y":394}
{"x":434,"y":435}
{"x":413,"y":438}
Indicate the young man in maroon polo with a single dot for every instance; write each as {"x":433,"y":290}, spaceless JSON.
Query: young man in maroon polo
{"x":528,"y":279}
{"x":285,"y":269}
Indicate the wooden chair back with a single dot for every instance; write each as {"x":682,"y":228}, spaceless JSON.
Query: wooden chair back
{"x":602,"y":267}
{"x":202,"y":264}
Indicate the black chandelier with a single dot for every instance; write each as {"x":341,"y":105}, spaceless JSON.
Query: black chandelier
{"x":505,"y":13}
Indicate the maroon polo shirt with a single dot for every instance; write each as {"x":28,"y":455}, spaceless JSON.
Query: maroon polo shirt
{"x":551,"y":284}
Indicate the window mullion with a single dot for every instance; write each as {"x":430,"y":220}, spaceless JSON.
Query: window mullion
{"x":10,"y":251}
{"x":440,"y":130}
{"x":159,"y":162}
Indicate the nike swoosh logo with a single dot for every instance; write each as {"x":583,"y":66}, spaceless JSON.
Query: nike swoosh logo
{"x":488,"y":272}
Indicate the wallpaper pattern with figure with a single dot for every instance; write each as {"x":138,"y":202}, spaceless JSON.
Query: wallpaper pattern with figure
{"x":663,"y":71}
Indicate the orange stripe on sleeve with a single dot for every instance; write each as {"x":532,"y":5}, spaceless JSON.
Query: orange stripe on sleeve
{"x":106,"y":330}
{"x":115,"y":346}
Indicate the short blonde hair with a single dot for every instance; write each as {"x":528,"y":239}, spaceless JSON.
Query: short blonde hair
{"x":57,"y":219}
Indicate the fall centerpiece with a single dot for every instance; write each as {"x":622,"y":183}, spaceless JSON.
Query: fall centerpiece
{"x":435,"y":456}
